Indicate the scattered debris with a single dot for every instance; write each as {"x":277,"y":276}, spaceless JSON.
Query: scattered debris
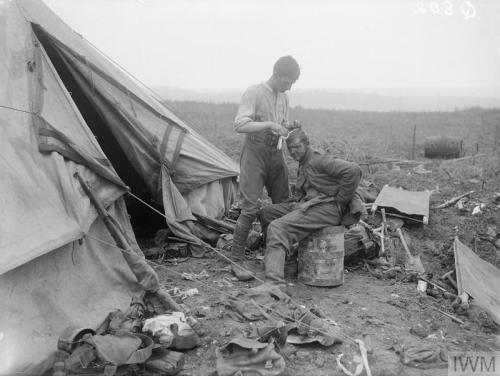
{"x":225,"y":242}
{"x":241,"y":272}
{"x":413,"y":262}
{"x":448,"y":277}
{"x":364,"y":356}
{"x":421,"y":170}
{"x":245,"y":356}
{"x":165,"y":362}
{"x":424,"y":356}
{"x":421,"y":286}
{"x":496,"y":198}
{"x":220,"y":226}
{"x":223,"y":282}
{"x":419,"y":330}
{"x":120,"y":343}
{"x":188,"y":293}
{"x":161,"y":237}
{"x":478,"y":209}
{"x":195,"y":276}
{"x":356,"y":360}
{"x":456,"y":319}
{"x":172,"y":331}
{"x":453,"y":200}
{"x":461,"y":204}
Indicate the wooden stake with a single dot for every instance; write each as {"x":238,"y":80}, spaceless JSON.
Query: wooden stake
{"x":413,"y":143}
{"x":497,"y":137}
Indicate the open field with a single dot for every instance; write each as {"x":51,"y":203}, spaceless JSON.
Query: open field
{"x":358,"y":135}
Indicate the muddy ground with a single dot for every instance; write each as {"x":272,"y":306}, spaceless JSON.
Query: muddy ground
{"x":388,"y":312}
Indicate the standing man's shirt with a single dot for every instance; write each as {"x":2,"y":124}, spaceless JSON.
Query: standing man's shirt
{"x":260,"y":103}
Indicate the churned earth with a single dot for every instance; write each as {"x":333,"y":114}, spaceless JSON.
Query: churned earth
{"x":386,"y":311}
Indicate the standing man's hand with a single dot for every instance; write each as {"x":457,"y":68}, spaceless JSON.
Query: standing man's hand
{"x":279,"y":129}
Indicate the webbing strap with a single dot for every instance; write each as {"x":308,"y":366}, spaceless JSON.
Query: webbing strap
{"x":61,"y":137}
{"x":143,"y":354}
{"x":163,"y":146}
{"x":177,"y":153}
{"x":171,"y":165}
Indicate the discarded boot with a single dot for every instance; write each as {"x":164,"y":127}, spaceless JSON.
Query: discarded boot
{"x":242,"y":273}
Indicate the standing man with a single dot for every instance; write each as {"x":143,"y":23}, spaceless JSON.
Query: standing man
{"x":263,"y":116}
{"x":325,"y":195}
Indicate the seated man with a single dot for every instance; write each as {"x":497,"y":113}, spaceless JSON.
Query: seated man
{"x":324,"y":190}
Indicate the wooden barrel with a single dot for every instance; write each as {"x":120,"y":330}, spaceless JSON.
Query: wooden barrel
{"x":321,"y":257}
{"x":443,"y":147}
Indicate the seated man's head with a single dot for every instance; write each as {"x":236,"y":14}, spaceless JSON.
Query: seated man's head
{"x":285,"y":72}
{"x":298,"y":144}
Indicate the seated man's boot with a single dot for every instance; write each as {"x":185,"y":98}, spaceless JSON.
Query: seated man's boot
{"x":274,"y":264}
{"x":241,"y":231}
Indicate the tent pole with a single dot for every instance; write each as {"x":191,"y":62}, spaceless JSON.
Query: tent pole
{"x":120,"y":239}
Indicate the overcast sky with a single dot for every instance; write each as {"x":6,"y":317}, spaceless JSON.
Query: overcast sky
{"x":344,"y":44}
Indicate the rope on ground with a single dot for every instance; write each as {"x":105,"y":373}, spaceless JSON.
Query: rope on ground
{"x":226,"y":258}
{"x":279,"y":314}
{"x":201,"y":241}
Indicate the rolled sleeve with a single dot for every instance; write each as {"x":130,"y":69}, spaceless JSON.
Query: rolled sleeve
{"x":247,"y":109}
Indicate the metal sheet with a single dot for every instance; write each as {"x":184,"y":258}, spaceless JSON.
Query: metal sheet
{"x":407,"y":202}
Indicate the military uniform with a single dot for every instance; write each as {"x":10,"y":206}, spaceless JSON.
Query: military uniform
{"x":325,"y":188}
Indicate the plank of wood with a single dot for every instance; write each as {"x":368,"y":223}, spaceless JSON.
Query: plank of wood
{"x":453,"y":200}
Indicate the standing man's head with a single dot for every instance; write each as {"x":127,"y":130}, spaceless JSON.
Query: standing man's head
{"x":285,"y":72}
{"x":298,"y":144}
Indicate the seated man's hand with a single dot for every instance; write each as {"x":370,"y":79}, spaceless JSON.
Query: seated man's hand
{"x":291,"y":199}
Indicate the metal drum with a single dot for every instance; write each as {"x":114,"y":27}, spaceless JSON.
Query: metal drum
{"x":443,"y":147}
{"x":321,"y":257}
{"x":291,"y":268}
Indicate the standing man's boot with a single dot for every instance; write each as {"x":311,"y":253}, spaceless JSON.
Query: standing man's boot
{"x":241,"y":231}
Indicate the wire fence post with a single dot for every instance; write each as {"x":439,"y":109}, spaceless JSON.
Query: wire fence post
{"x":413,"y":141}
{"x":497,"y":137}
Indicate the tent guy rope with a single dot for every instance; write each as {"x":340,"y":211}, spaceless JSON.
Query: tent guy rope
{"x":349,"y":339}
{"x":208,"y":246}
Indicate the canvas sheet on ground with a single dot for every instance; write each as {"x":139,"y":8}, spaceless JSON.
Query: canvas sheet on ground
{"x":407,"y":202}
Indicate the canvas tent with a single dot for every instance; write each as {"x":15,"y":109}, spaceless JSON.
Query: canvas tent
{"x":66,"y":108}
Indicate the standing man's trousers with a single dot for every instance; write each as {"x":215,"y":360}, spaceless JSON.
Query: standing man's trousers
{"x":261,"y":165}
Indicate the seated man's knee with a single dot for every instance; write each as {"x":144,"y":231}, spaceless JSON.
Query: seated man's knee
{"x":275,"y":227}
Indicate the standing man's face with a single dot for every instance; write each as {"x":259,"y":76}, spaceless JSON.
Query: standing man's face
{"x":297,"y":149}
{"x":284,"y":83}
